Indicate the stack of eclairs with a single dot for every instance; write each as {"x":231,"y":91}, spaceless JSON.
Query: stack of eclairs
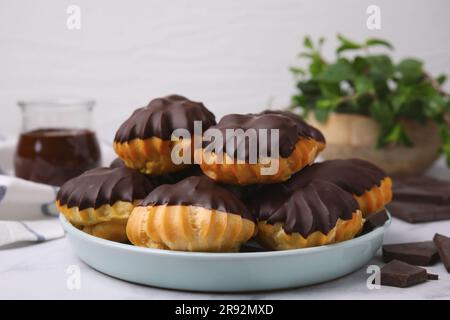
{"x":224,"y":198}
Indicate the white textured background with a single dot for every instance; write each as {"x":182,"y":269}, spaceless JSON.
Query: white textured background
{"x":233,"y":55}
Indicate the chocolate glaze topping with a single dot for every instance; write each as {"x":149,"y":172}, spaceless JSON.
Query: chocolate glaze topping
{"x":162,"y":116}
{"x":198,"y":191}
{"x":290,"y":129}
{"x":117,"y":163}
{"x":315,"y":207}
{"x":353,"y":175}
{"x":100,"y":186}
{"x":303,"y":128}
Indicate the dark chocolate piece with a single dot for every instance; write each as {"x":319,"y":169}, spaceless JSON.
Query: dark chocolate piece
{"x":401,"y":274}
{"x":162,"y":116}
{"x":415,"y":212}
{"x":353,"y":175}
{"x":198,"y":191}
{"x":304,"y":129}
{"x":374,"y":221}
{"x":416,"y":253}
{"x":442,"y":244}
{"x":289,"y":133}
{"x":100,"y":186}
{"x":117,"y":163}
{"x":315,"y":207}
{"x":432,"y":276}
{"x":421,"y":189}
{"x":420,"y":199}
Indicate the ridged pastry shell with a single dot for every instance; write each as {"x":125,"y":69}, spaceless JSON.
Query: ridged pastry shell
{"x":188,"y":228}
{"x":229,"y":171}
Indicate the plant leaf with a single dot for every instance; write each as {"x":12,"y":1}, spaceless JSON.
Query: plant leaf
{"x":381,"y":66}
{"x":441,"y":79}
{"x":307,"y":42}
{"x":297,"y":71}
{"x":378,"y":42}
{"x":363,"y":85}
{"x":347,"y":44}
{"x":337,"y":72}
{"x":410,"y":70}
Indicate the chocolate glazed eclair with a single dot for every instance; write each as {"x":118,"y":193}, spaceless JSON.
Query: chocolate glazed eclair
{"x":298,"y":145}
{"x":144,"y":142}
{"x":369,"y":185}
{"x":195,"y":214}
{"x":318,"y":214}
{"x":100,"y":200}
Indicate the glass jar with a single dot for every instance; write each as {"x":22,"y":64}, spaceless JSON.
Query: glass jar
{"x":57,"y":142}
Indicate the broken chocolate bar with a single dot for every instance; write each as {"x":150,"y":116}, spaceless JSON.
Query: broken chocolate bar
{"x":375,"y":220}
{"x":420,"y":199}
{"x":442,"y":244}
{"x":414,"y":212}
{"x":401,"y":274}
{"x":416,"y":253}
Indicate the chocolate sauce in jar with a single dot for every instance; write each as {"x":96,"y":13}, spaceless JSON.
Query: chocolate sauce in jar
{"x":53,"y":156}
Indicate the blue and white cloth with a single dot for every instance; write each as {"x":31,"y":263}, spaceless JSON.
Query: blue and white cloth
{"x":27,"y":209}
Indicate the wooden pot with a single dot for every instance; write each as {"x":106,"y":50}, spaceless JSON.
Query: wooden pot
{"x":355,"y":136}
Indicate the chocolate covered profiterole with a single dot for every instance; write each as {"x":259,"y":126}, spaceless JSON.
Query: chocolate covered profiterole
{"x":370,"y":185}
{"x":240,"y":159}
{"x":195,"y":214}
{"x":317,"y":214}
{"x":100,"y":200}
{"x":144,"y":142}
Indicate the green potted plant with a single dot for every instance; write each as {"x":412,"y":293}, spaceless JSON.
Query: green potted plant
{"x":392,"y":114}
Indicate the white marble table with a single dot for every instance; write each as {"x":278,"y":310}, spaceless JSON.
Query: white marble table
{"x":39,"y":272}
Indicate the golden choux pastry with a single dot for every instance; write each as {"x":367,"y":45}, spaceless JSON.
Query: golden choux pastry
{"x":369,"y":185}
{"x":254,"y":154}
{"x":195,"y":214}
{"x":100,"y":200}
{"x":317,"y":214}
{"x":144,"y":141}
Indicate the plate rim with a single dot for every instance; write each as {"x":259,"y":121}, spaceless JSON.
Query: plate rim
{"x":69,"y":228}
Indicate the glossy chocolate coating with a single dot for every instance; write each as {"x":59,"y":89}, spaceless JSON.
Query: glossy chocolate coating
{"x":353,"y":175}
{"x":101,"y":186}
{"x":290,"y":130}
{"x":314,"y":207}
{"x":162,"y":116}
{"x":303,"y":128}
{"x":198,"y":191}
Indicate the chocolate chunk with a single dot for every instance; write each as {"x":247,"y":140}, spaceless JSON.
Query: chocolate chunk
{"x":420,"y":199}
{"x":374,"y":221}
{"x":422,"y":189}
{"x":401,"y":274}
{"x":415,"y":212}
{"x":416,"y":253}
{"x":442,"y":244}
{"x":246,"y":247}
{"x":432,"y":276}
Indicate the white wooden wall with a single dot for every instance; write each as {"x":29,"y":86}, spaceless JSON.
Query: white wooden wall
{"x":231,"y":54}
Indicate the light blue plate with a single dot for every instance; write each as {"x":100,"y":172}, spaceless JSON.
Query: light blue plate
{"x":225,"y":272}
